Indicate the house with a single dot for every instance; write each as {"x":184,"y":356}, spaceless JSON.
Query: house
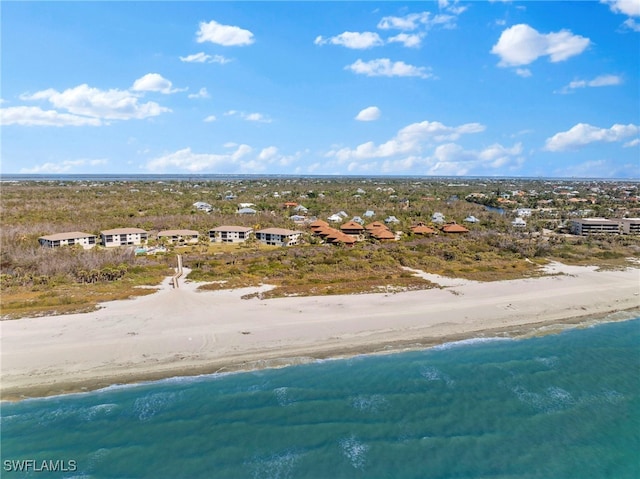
{"x":123,"y":237}
{"x":317,"y":224}
{"x":230,"y":234}
{"x":630,"y":226}
{"x":519,"y":223}
{"x":382,"y":234}
{"x":335,"y":218}
{"x":245,"y":205}
{"x":422,"y":229}
{"x":391,"y":219}
{"x":354,"y":229}
{"x":454,"y":228}
{"x":334,"y":236}
{"x":290,"y":204}
{"x":85,"y":240}
{"x":587,"y":226}
{"x":297,"y":218}
{"x":524,"y":212}
{"x":278,"y":236}
{"x":437,"y":217}
{"x":369,"y":214}
{"x":179,"y":236}
{"x":202,"y":206}
{"x":471,"y":219}
{"x":246,"y":211}
{"x":300,"y":209}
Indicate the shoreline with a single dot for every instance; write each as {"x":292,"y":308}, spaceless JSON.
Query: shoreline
{"x":182,"y":332}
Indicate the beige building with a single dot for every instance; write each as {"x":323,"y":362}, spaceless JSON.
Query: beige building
{"x":230,"y":234}
{"x":179,"y":236}
{"x":85,"y":240}
{"x":630,"y":226}
{"x":588,"y":226}
{"x":123,"y":237}
{"x":278,"y":236}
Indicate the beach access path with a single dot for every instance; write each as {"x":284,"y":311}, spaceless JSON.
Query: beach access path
{"x":182,"y":331}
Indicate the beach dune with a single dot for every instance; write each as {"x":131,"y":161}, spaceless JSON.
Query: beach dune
{"x":183,"y":331}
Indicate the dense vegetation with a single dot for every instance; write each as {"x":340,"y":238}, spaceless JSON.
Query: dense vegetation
{"x":38,"y":280}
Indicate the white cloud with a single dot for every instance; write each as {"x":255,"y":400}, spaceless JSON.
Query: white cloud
{"x":630,"y":8}
{"x":187,"y":160}
{"x":523,"y":72}
{"x":268,"y":153}
{"x":631,"y":24}
{"x":210,"y":118}
{"x":583,"y":134}
{"x":452,"y":159}
{"x":106,"y":104}
{"x":409,"y":140}
{"x":202,"y":57}
{"x":202,"y":93}
{"x":226,"y":35}
{"x":522,"y":45}
{"x":63,"y":166}
{"x":153,"y":82}
{"x":35,"y":116}
{"x":410,"y":40}
{"x":257,"y":117}
{"x":408,"y":22}
{"x":599,"y":81}
{"x":424,"y":20}
{"x":385,"y":67}
{"x":632,"y":143}
{"x":370,"y":113}
{"x":354,"y":40}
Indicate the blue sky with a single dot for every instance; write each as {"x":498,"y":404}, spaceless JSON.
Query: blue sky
{"x":349,"y":88}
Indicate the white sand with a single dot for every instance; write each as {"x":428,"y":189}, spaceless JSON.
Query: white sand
{"x":183,"y":331}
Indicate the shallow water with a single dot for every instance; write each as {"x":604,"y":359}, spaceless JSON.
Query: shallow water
{"x":558,"y":406}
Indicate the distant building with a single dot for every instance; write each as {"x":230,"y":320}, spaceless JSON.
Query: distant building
{"x":202,"y":206}
{"x":630,"y":226}
{"x":588,"y":226}
{"x":123,"y":237}
{"x":278,"y":236}
{"x":454,"y":228}
{"x":85,"y":240}
{"x":179,"y":236}
{"x":246,"y":211}
{"x":471,"y":219}
{"x":437,"y":217}
{"x":230,"y":234}
{"x":519,"y":223}
{"x":391,"y":219}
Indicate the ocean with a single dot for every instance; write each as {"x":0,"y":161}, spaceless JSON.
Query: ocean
{"x":559,"y":406}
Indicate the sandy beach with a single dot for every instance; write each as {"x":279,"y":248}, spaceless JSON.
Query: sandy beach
{"x":175,"y":332}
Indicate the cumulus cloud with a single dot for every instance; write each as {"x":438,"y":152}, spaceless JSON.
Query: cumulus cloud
{"x":242,"y":159}
{"x":387,"y":68}
{"x":110,"y":104}
{"x":187,"y":160}
{"x":409,"y":140}
{"x":630,"y":8}
{"x":582,"y":134}
{"x":414,"y":21}
{"x":225,"y":35}
{"x":202,"y":57}
{"x":63,"y":166}
{"x":354,"y":40}
{"x":410,"y":40}
{"x":154,"y":82}
{"x":268,"y":153}
{"x":35,"y":116}
{"x":631,"y":24}
{"x":202,"y":93}
{"x":257,"y":117}
{"x":453,"y":159}
{"x":521,"y":45}
{"x":602,"y":80}
{"x":632,"y":143}
{"x":370,"y":113}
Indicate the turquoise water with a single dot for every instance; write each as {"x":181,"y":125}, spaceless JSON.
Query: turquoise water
{"x":553,"y":407}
